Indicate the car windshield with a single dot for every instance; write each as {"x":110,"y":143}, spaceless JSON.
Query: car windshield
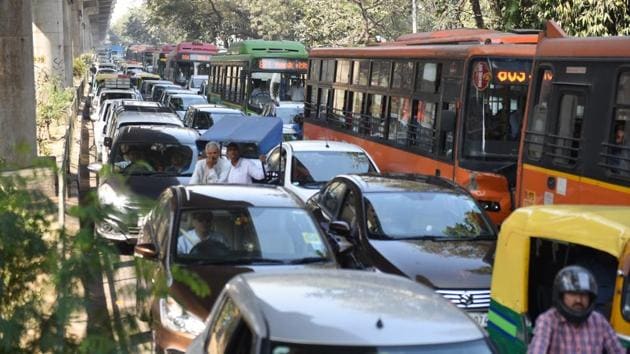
{"x":469,"y":347}
{"x":154,"y":158}
{"x":401,"y":215}
{"x":249,"y":235}
{"x":287,"y":114}
{"x":318,"y":167}
{"x":196,"y":82}
{"x":115,"y":95}
{"x":192,"y":99}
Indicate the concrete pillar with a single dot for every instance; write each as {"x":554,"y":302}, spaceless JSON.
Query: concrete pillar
{"x":67,"y":42}
{"x":75,"y":23}
{"x":48,"y":40}
{"x":17,"y":106}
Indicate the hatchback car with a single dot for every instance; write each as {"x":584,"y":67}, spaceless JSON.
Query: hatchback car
{"x":203,"y":116}
{"x":423,"y":227}
{"x":305,"y":166}
{"x":214,"y":232}
{"x":144,"y":161}
{"x":335,"y":312}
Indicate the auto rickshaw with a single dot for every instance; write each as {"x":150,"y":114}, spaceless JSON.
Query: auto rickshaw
{"x":534,"y":244}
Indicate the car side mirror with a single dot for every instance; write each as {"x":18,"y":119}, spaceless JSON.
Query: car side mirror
{"x":340,"y":228}
{"x":145,"y":250}
{"x":107,"y":141}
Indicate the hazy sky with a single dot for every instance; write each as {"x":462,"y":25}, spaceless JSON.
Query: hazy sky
{"x":122,"y":6}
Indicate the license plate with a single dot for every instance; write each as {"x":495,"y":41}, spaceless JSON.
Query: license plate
{"x":480,"y":317}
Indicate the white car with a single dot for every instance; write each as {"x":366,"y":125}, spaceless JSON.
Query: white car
{"x":180,"y":102}
{"x":112,"y":94}
{"x":305,"y":166}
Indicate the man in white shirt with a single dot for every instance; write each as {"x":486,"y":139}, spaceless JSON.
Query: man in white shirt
{"x":201,"y":231}
{"x":242,"y":171}
{"x":212,"y":169}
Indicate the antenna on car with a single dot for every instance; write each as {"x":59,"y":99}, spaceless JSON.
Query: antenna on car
{"x":379,"y":324}
{"x":327,"y":146}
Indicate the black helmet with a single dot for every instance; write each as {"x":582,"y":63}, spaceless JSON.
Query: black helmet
{"x":574,"y":279}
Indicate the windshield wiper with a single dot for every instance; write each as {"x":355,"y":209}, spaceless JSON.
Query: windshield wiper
{"x":233,"y":261}
{"x":448,"y":238}
{"x":307,"y":260}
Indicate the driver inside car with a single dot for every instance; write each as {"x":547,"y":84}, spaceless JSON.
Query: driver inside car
{"x":202,"y":233}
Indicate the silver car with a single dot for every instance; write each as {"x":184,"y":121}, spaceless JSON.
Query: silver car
{"x":335,"y":311}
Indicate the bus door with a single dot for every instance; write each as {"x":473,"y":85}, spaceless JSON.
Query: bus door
{"x":554,"y":174}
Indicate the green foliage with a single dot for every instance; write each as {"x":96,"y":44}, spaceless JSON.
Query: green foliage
{"x":53,"y":102}
{"x":81,"y":64}
{"x":588,"y":17}
{"x":23,"y":258}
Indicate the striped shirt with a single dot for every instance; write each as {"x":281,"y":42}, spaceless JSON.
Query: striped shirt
{"x":554,"y":334}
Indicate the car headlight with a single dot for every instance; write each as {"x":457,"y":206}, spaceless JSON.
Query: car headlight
{"x":107,"y":196}
{"x":174,"y":317}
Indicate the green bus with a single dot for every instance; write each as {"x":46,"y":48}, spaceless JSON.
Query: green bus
{"x":259,"y":77}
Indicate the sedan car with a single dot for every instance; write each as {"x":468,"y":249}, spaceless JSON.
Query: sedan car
{"x":335,"y":312}
{"x":144,"y":160}
{"x":423,"y":227}
{"x":305,"y":166}
{"x":212,"y":233}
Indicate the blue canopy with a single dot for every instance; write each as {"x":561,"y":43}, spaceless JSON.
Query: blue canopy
{"x":255,"y":135}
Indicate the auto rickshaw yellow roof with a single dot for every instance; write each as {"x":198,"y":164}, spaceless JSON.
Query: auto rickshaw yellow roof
{"x":606,"y":228}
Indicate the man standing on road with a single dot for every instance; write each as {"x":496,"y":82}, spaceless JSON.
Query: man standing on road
{"x":242,"y":171}
{"x":212,"y":169}
{"x":571,"y":326}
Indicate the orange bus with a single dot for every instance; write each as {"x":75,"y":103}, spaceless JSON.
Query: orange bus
{"x":576,"y":145}
{"x":448,"y":103}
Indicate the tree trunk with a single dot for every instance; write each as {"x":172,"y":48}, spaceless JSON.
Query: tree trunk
{"x":477,"y":13}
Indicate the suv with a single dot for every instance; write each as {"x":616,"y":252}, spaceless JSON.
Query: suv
{"x":423,"y":227}
{"x":144,"y":161}
{"x":335,"y":311}
{"x":179,"y":102}
{"x":214,"y":232}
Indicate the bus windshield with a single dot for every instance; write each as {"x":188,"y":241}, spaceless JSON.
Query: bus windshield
{"x":497,"y":93}
{"x":267,"y":87}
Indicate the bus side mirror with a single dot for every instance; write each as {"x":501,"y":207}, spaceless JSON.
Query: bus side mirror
{"x":107,"y":141}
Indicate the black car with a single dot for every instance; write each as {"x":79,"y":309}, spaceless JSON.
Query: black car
{"x":144,"y":160}
{"x":212,"y":233}
{"x":423,"y":227}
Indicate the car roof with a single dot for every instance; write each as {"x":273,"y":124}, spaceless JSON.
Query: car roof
{"x":153,"y":117}
{"x":322,"y":145}
{"x":344,"y":307}
{"x":223,"y":195}
{"x":138,"y":103}
{"x":214,"y":108}
{"x":402,"y":182}
{"x":152,"y":133}
{"x":107,"y":90}
{"x":186,"y":94}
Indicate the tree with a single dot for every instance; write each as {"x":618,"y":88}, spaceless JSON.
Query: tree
{"x":588,"y":17}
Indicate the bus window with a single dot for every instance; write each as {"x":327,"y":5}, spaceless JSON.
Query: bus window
{"x":619,"y":147}
{"x":328,"y":70}
{"x":427,"y":77}
{"x":422,"y":130}
{"x":357,"y":109}
{"x":496,"y":102}
{"x":538,"y":124}
{"x":568,"y":129}
{"x":361,"y":71}
{"x":374,"y":125}
{"x":399,"y":114}
{"x":343,"y":71}
{"x":314,"y":70}
{"x":403,"y":75}
{"x":380,"y":73}
{"x":338,"y":105}
{"x":447,"y":129}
